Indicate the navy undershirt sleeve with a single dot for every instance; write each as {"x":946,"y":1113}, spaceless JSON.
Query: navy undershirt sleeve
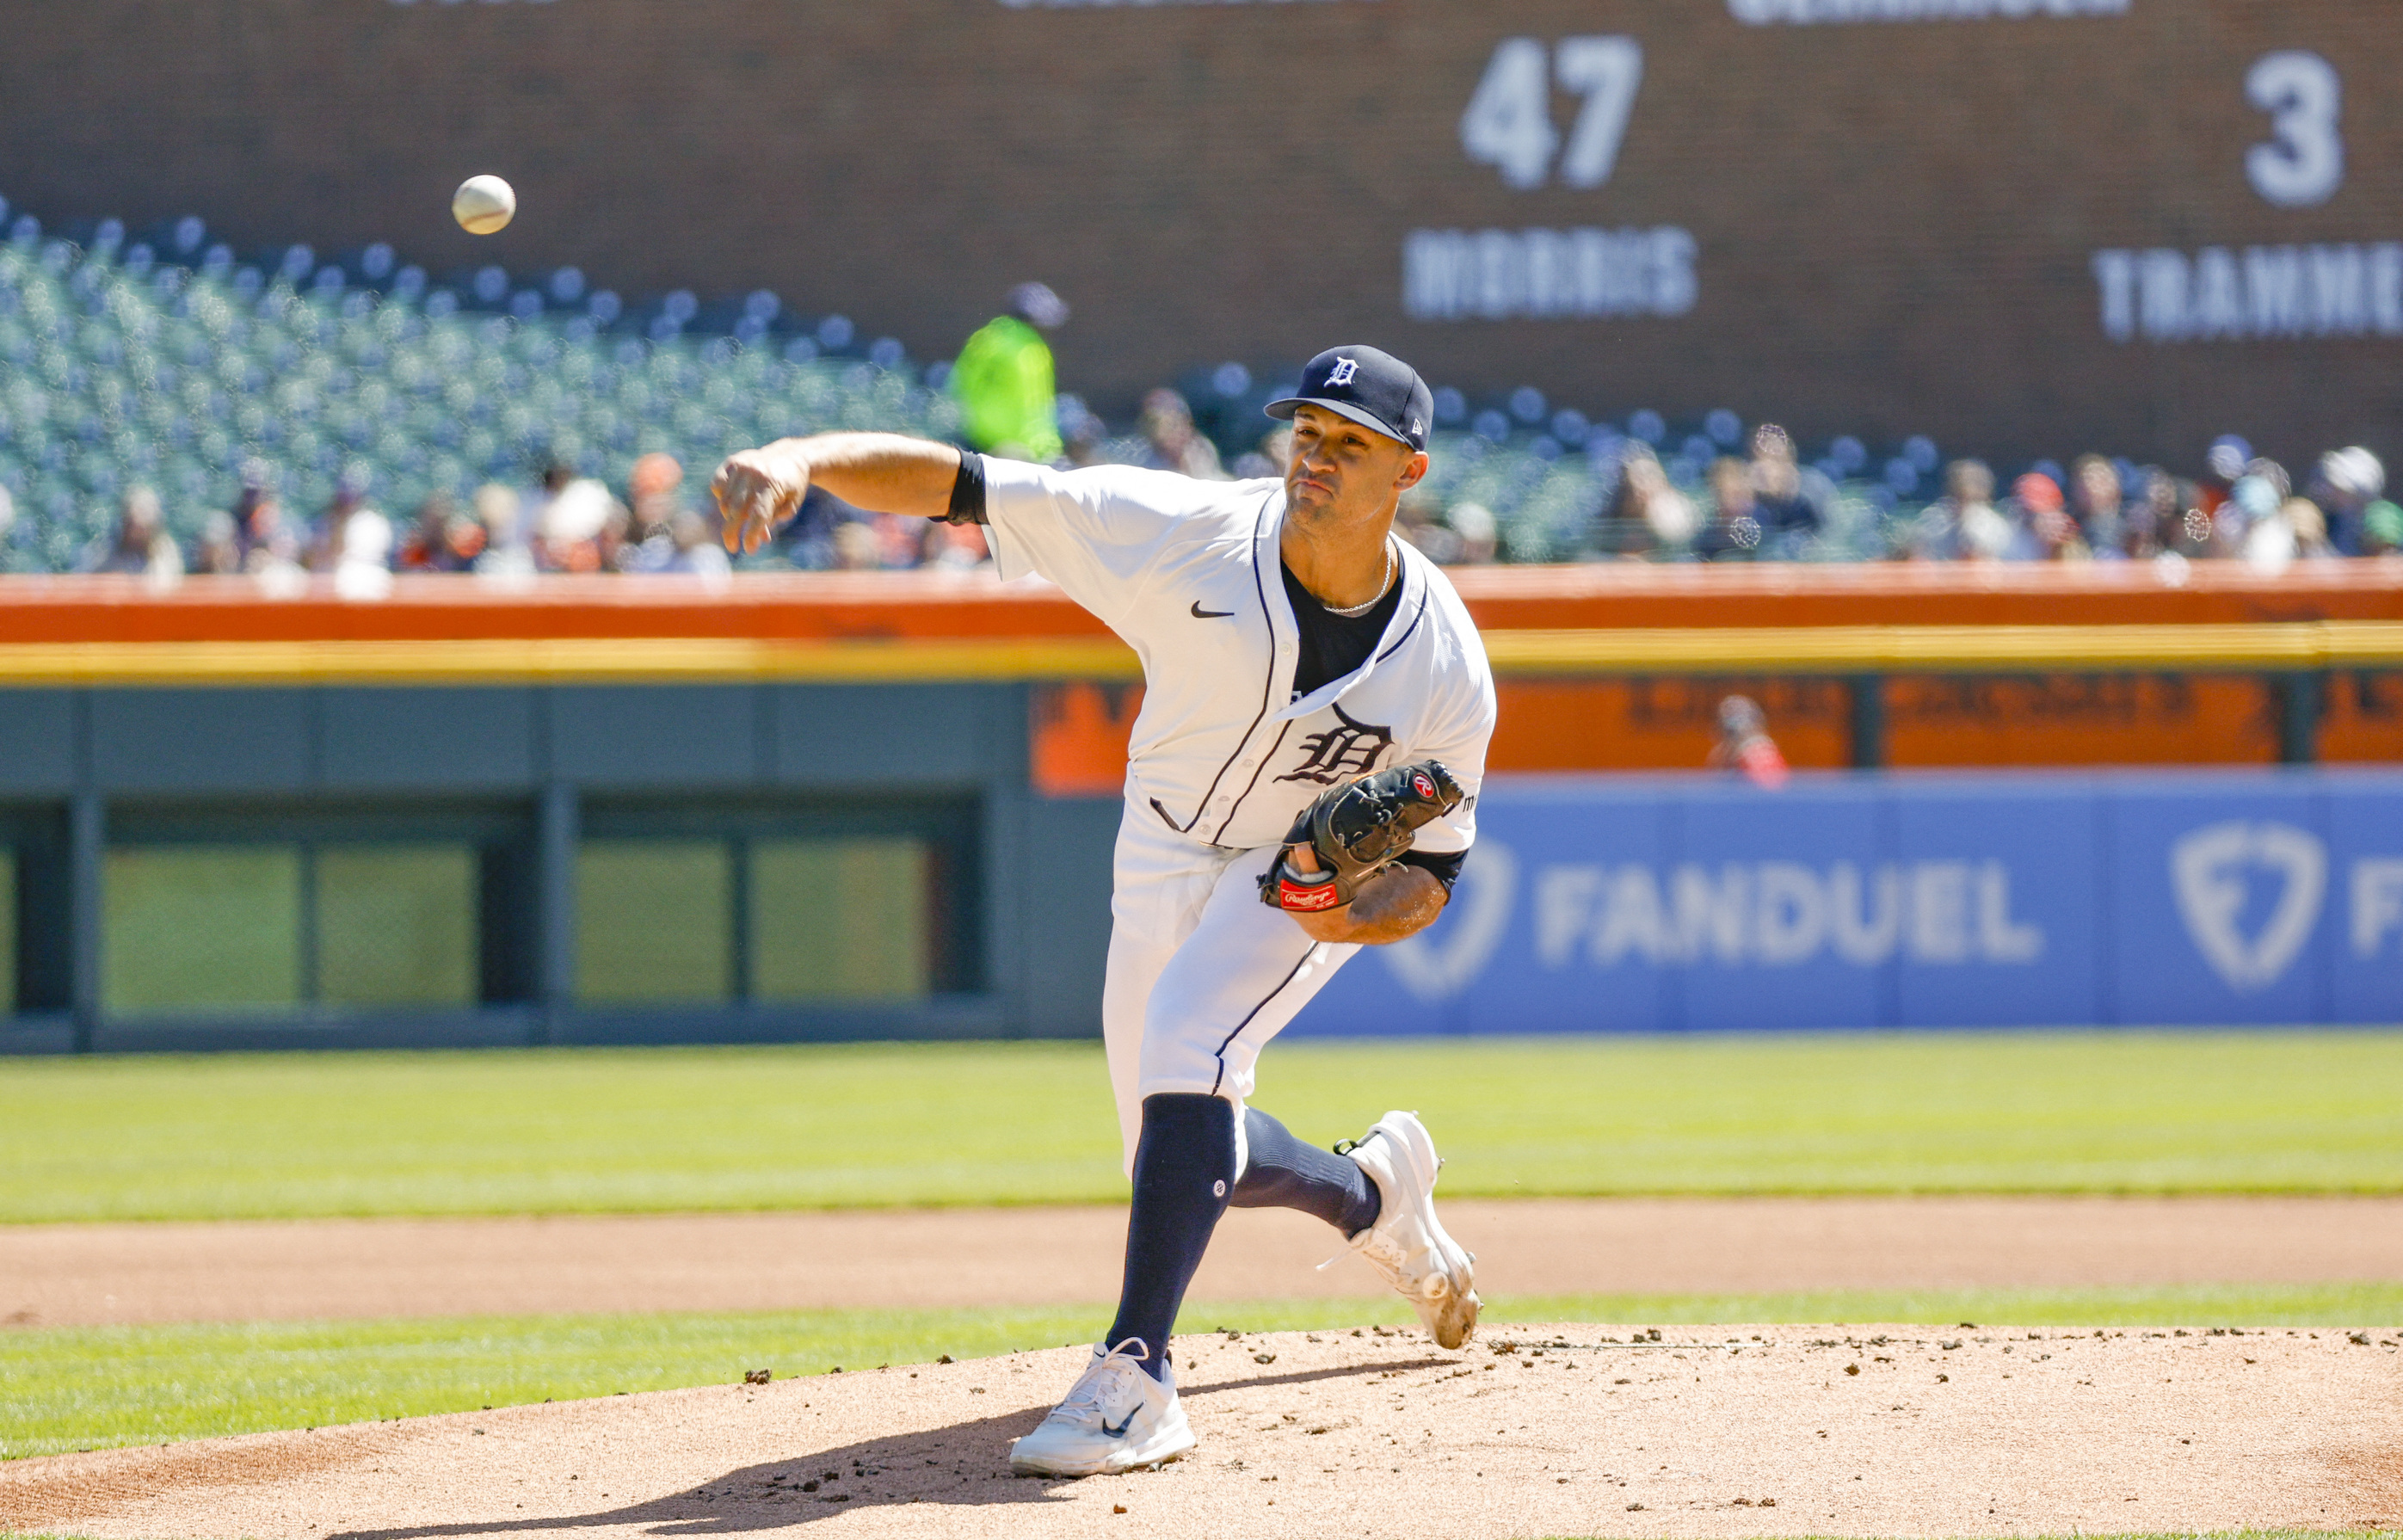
{"x":968,"y":491}
{"x":1445,"y":868}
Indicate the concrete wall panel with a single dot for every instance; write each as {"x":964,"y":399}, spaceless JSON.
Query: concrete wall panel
{"x":430,"y":739}
{"x":193,"y":741}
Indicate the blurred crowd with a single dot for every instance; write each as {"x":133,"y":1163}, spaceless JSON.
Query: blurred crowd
{"x":2243,"y":507}
{"x":561,"y":523}
{"x":1763,"y":505}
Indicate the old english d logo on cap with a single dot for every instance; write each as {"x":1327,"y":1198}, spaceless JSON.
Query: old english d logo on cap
{"x":1371,"y":388}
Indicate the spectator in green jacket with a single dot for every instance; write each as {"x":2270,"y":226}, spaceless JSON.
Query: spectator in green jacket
{"x":1004,"y":379}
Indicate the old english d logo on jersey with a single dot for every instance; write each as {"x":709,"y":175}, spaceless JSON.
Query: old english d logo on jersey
{"x":1342,"y":753}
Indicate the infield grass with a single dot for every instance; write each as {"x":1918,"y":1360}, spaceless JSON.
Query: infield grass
{"x":80,"y":1388}
{"x":579,"y":1131}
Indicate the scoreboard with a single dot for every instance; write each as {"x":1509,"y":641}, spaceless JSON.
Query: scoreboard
{"x":2019,"y":227}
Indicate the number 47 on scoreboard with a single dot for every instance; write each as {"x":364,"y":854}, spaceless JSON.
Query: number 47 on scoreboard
{"x":1508,"y":124}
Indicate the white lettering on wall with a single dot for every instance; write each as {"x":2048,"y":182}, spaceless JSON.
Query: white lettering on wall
{"x":2225,"y":294}
{"x":2215,"y":872}
{"x":1606,"y":71}
{"x":1792,"y":915}
{"x":2377,"y":904}
{"x":1500,"y":275}
{"x":1510,"y":116}
{"x":1762,"y":13}
{"x":2001,"y":938}
{"x":1508,"y":123}
{"x":1864,"y":935}
{"x":2303,"y":162}
{"x":1782,"y":913}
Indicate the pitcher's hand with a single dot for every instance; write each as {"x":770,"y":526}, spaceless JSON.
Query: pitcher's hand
{"x":757,"y":491}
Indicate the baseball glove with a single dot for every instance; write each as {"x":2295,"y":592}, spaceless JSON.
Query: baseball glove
{"x":1357,"y":829}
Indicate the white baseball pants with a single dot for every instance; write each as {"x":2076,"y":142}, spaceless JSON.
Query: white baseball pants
{"x":1201,"y":974}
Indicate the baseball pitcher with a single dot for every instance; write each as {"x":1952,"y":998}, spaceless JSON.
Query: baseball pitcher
{"x":1302,"y":782}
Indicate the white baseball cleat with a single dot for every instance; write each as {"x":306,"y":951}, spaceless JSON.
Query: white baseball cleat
{"x":1115,"y":1417}
{"x":1406,"y":1244}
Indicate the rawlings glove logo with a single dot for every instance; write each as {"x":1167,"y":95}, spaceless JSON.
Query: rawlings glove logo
{"x":1307,"y":896}
{"x":1357,"y":829}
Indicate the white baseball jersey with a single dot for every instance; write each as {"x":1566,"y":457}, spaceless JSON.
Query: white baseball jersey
{"x":1201,"y":974}
{"x":1189,"y":573}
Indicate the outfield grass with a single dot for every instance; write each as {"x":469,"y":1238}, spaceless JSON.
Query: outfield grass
{"x":82,"y":1388}
{"x":805,"y":1127}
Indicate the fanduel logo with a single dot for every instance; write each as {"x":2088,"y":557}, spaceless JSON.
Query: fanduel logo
{"x":2377,"y":904}
{"x":1439,"y":966}
{"x":2211,"y":871}
{"x":1780,"y":913}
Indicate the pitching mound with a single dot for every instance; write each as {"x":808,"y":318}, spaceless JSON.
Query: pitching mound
{"x":1533,"y":1430}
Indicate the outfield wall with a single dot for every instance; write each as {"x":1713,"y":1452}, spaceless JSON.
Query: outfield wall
{"x":332,"y":867}
{"x":878,"y":805}
{"x":1922,"y":901}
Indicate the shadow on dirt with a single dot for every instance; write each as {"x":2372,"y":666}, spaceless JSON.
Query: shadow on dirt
{"x":1304,"y":1376}
{"x":966,"y":1464}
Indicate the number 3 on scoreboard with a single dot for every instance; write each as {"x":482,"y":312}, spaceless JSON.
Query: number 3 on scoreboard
{"x":1508,"y":124}
{"x":2304,"y":162}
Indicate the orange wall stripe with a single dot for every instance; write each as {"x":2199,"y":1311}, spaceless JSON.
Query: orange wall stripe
{"x":1824,"y":649}
{"x":863,"y":606}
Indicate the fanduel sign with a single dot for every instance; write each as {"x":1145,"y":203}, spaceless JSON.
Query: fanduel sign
{"x":1781,"y":913}
{"x":1984,"y":901}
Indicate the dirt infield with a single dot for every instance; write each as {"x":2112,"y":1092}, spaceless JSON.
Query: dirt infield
{"x":1721,"y":1431}
{"x":103,"y":1274}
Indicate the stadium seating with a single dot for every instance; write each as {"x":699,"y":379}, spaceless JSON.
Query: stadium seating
{"x":122,"y":367}
{"x":168,"y":361}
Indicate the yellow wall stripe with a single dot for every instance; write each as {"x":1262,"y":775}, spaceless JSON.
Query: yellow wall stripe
{"x":1822,"y":649}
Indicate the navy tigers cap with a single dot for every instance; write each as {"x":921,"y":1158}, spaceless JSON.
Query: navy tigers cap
{"x":1373,"y":388}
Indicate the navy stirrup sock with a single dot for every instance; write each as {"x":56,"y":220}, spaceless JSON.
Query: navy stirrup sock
{"x":1184,"y":1164}
{"x":1282,"y":1172}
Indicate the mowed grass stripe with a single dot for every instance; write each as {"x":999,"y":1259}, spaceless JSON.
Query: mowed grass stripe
{"x":96,"y":1387}
{"x":588,"y":1131}
{"x":876,"y":1125}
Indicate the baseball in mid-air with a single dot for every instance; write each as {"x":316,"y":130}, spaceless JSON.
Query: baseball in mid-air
{"x":483,"y":205}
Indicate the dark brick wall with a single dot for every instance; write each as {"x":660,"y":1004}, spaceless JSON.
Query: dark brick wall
{"x":1895,"y":221}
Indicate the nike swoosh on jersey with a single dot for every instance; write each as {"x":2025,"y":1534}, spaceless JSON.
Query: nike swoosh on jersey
{"x":1201,"y":614}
